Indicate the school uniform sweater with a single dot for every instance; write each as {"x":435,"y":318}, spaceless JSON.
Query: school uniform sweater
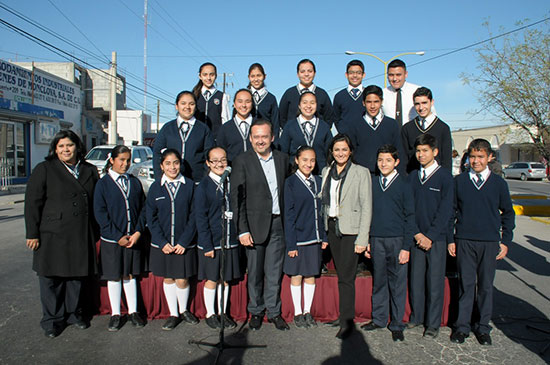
{"x":433,"y":201}
{"x":198,"y":142}
{"x":367,"y":140}
{"x":303,"y":223}
{"x":210,"y":111}
{"x":288,"y":106}
{"x":442,"y":133}
{"x":231,"y":138}
{"x":171,"y":219}
{"x":208,"y":204}
{"x":268,"y":109}
{"x":293,"y":137}
{"x":485,"y":213}
{"x":394,"y":207}
{"x":119,"y":214}
{"x":346,"y":108}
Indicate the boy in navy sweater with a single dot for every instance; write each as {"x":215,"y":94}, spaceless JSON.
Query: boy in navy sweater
{"x":348,"y":103}
{"x":371,"y":130}
{"x":485,"y":221}
{"x":426,"y":122}
{"x":432,"y":187}
{"x":390,"y":240}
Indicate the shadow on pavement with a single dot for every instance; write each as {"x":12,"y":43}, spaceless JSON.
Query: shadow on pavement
{"x":529,"y":260}
{"x":522,"y":323}
{"x":543,"y":245}
{"x":228,"y":355}
{"x":354,"y":350}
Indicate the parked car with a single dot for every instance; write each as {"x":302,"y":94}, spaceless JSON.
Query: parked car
{"x":525,"y":171}
{"x":144,"y":172}
{"x":99,"y":154}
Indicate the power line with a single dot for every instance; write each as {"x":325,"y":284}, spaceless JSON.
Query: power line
{"x":65,"y":54}
{"x":79,"y":31}
{"x":461,"y":48}
{"x":50,"y":32}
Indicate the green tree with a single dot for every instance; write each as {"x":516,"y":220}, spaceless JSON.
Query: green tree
{"x":513,"y":82}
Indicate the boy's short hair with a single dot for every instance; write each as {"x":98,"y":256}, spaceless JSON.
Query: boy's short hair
{"x":425,"y":139}
{"x":373,"y":89}
{"x":480,"y":144}
{"x":388,"y":148}
{"x":423,"y":91}
{"x":355,"y":63}
{"x":397,"y":63}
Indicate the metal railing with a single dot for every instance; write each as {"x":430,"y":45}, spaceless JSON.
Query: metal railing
{"x":6,"y":174}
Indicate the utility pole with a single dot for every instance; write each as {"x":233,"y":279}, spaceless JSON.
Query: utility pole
{"x":158,"y":115}
{"x":113,"y":123}
{"x":225,"y":75}
{"x":145,"y":58}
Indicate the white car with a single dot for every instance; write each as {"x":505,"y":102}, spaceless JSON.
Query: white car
{"x":99,"y":155}
{"x":144,"y":172}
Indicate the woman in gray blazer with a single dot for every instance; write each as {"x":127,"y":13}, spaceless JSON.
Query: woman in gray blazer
{"x":347,"y":206}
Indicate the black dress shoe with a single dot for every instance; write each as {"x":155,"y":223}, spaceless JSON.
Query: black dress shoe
{"x":51,"y":333}
{"x":483,"y":338}
{"x":228,"y":322}
{"x":213,"y":321}
{"x":81,"y":324}
{"x":136,"y":320}
{"x":189,"y":317}
{"x":255,"y":322}
{"x":310,"y":320}
{"x":171,"y":323}
{"x":300,"y":321}
{"x":397,"y":336}
{"x":344,"y":332}
{"x":371,"y":326}
{"x":335,"y":323}
{"x":114,"y":323}
{"x":431,"y":332}
{"x":458,"y":337}
{"x":279,"y":323}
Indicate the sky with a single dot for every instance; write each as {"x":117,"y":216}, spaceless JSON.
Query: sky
{"x":181,"y":35}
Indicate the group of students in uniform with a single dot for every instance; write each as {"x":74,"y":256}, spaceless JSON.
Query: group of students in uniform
{"x":413,"y":212}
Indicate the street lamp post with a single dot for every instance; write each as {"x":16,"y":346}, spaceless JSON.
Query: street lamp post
{"x":420,"y":53}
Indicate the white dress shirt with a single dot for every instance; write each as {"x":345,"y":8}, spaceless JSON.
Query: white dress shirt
{"x":390,"y":99}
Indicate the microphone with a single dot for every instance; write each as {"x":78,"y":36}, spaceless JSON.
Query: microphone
{"x":225,"y":175}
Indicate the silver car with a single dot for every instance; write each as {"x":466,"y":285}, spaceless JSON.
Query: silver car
{"x":99,"y":154}
{"x":525,"y":170}
{"x":144,"y":172}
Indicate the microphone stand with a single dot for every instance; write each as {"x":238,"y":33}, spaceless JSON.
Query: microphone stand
{"x":226,"y":215}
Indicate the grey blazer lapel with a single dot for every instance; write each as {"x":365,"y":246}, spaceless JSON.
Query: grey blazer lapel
{"x":352,"y":173}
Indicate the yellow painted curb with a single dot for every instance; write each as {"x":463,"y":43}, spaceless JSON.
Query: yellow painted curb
{"x":538,"y":210}
{"x":544,"y":220}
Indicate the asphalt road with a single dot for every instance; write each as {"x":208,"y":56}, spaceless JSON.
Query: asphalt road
{"x":521,"y":321}
{"x":529,"y":187}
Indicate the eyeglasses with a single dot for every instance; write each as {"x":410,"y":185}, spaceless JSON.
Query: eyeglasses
{"x":215,"y":162}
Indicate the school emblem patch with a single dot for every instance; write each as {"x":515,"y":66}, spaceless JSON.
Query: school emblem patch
{"x":217,"y":101}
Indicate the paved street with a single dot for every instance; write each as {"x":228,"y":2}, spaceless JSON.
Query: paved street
{"x":520,"y":335}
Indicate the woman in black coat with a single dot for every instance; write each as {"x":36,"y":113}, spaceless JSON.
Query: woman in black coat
{"x":61,"y":230}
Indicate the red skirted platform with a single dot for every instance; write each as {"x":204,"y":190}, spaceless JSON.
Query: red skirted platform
{"x":325,"y":302}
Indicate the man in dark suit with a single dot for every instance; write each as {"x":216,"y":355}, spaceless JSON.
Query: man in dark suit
{"x":257,"y":184}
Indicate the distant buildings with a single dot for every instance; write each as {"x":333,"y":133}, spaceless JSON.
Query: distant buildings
{"x":37,"y":99}
{"x":511,"y":142}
